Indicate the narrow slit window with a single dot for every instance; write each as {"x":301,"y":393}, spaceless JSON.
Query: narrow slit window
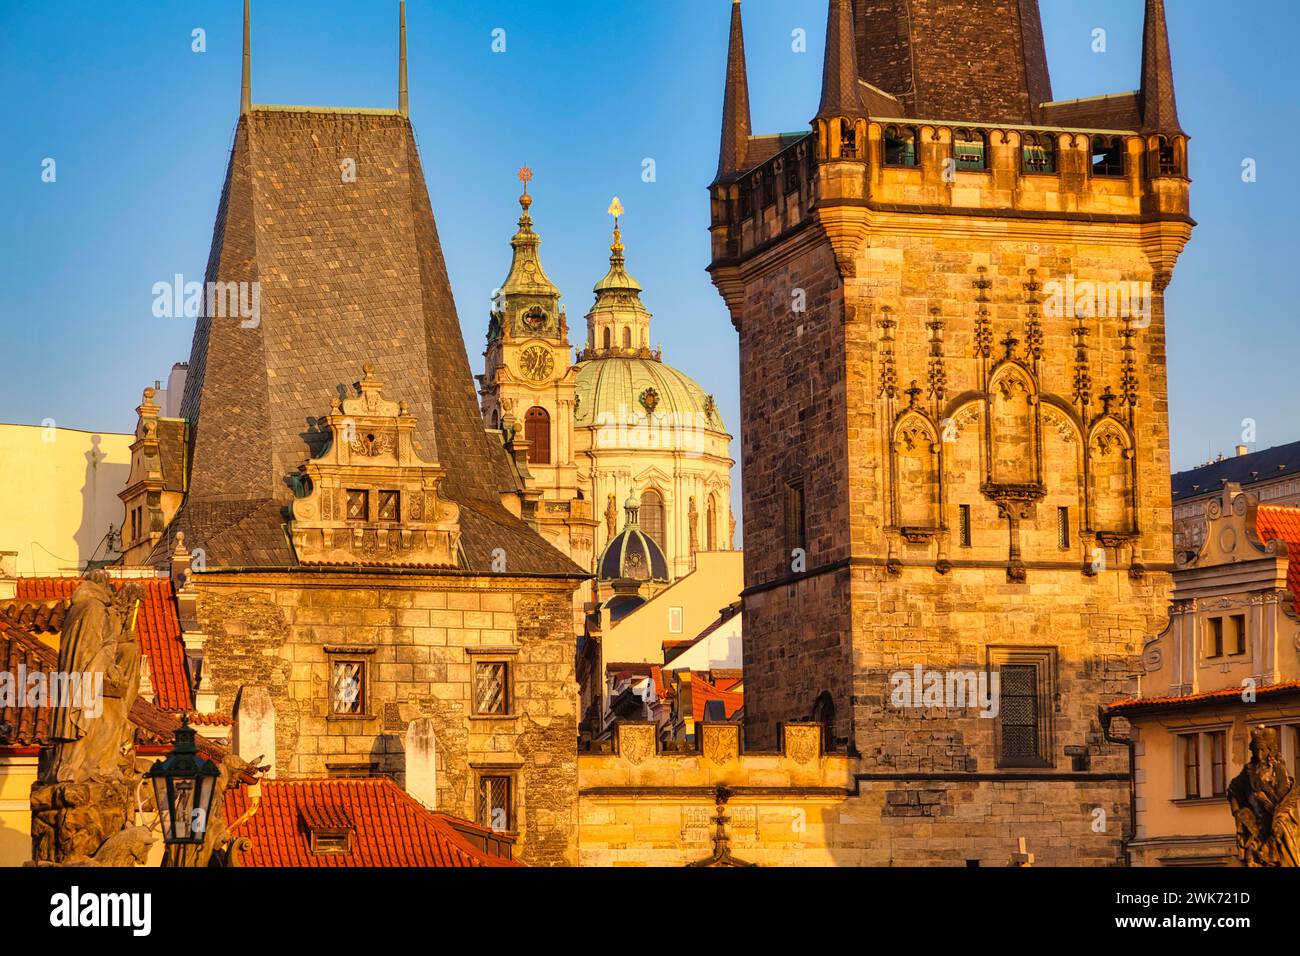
{"x":1218,"y":763}
{"x":964,"y":527}
{"x":1063,"y":528}
{"x":1190,"y":744}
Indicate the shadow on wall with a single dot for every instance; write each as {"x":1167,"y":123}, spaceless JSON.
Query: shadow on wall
{"x":15,"y":845}
{"x":100,"y":506}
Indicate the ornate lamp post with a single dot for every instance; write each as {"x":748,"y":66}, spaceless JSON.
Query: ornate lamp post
{"x":183,"y":785}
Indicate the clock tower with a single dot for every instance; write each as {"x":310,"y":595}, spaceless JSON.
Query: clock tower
{"x":528,"y":386}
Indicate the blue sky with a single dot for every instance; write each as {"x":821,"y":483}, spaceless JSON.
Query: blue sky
{"x":140,"y":128}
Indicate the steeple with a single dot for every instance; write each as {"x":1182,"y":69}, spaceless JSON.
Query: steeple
{"x":1159,"y":108}
{"x":618,"y":323}
{"x":528,"y":303}
{"x":840,"y":71}
{"x":246,"y":84}
{"x":403,"y":104}
{"x":735,"y":103}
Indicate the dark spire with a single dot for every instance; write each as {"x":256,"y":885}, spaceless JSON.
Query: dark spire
{"x":246,"y":84}
{"x":403,"y":105}
{"x":840,"y":72}
{"x":1159,"y":108}
{"x":735,"y":103}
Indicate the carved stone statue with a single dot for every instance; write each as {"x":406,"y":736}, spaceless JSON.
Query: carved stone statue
{"x":1264,"y":800}
{"x":611,"y":516}
{"x":83,"y":804}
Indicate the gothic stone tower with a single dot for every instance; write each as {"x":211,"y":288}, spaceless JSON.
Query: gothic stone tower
{"x":955,"y":433}
{"x":353,"y":537}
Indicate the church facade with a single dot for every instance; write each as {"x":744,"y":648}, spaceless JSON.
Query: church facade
{"x":618,"y":424}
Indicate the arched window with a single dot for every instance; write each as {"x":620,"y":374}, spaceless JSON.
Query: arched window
{"x":968,"y":149}
{"x":1108,"y":156}
{"x":496,"y":418}
{"x":824,"y":714}
{"x":627,"y":337}
{"x":652,"y":517}
{"x":711,"y":524}
{"x":900,"y":146}
{"x":537,"y":430}
{"x":1038,"y":153}
{"x":609,"y":340}
{"x":848,"y":140}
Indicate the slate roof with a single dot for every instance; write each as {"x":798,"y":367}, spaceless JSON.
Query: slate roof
{"x":1206,"y":481}
{"x":388,"y":827}
{"x":348,"y":273}
{"x":43,"y":603}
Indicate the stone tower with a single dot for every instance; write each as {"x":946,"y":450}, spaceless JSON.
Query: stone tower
{"x":949,"y":297}
{"x":353,"y":538}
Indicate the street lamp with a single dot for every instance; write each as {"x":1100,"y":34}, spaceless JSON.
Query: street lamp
{"x":183,"y":785}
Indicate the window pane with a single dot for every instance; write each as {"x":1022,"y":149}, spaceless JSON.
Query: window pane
{"x":490,"y":688}
{"x":1191,"y":765}
{"x":1019,"y":712}
{"x":494,"y":802}
{"x":346,"y":686}
{"x":1218,"y":765}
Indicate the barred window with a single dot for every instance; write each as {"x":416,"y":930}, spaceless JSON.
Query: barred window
{"x":494,"y":802}
{"x":491,"y":687}
{"x":1019,"y":715}
{"x":964,"y":527}
{"x":1063,"y":528}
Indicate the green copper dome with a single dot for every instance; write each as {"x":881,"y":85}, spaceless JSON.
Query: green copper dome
{"x":622,"y":390}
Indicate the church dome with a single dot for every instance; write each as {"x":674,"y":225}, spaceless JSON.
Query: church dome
{"x":619,"y":390}
{"x":632,"y":554}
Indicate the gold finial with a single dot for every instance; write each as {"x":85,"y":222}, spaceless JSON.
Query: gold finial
{"x":525,"y":177}
{"x":616,"y":210}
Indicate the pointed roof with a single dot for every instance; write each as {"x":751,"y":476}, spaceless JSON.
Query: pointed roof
{"x":1159,"y":107}
{"x":736,"y":127}
{"x":527,"y":277}
{"x":840,"y":95}
{"x":346,"y":272}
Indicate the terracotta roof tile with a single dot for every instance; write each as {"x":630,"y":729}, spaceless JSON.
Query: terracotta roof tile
{"x":702,"y":692}
{"x":1130,"y":705}
{"x":387,"y":826}
{"x":1280,"y":523}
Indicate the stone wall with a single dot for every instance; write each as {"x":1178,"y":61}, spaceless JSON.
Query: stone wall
{"x":419,"y":635}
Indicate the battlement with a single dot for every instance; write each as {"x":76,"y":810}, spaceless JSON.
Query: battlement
{"x":907,"y":166}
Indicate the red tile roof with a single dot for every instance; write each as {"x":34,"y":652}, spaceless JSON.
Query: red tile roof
{"x":388,"y":827}
{"x":1280,"y":523}
{"x":158,"y":625}
{"x":1130,"y":705}
{"x":702,"y":692}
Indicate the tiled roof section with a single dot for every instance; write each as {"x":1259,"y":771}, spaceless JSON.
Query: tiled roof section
{"x":977,"y":60}
{"x":348,"y":273}
{"x":1119,"y":111}
{"x":388,"y":827}
{"x":1280,"y":461}
{"x":1279,"y":523}
{"x":171,"y":452}
{"x":1159,"y":106}
{"x":1136,"y":705}
{"x":158,"y":625}
{"x":39,"y":618}
{"x":28,"y":727}
{"x":702,"y":692}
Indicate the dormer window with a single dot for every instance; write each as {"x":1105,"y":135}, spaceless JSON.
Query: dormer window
{"x":329,"y":828}
{"x":968,"y":150}
{"x":1108,"y":156}
{"x":900,"y":146}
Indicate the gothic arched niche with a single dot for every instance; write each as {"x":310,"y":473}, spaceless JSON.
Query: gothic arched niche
{"x":916,"y":471}
{"x":1054,"y":533}
{"x":1013,"y":445}
{"x":1110,"y":478}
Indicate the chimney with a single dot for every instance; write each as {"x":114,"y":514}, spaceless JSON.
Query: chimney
{"x":1242,"y":450}
{"x":254,"y":733}
{"x":8,"y":575}
{"x":422,"y":762}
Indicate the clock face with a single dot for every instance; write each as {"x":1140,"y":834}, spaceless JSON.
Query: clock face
{"x":536,"y":363}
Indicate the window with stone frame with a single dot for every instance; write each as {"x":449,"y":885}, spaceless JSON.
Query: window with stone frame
{"x":492,"y":688}
{"x":1213,"y":638}
{"x":494,"y":809}
{"x":358,"y":504}
{"x":964,"y":528}
{"x":1024,"y":732}
{"x":1201,"y":759}
{"x":348,"y":690}
{"x":390,"y":506}
{"x":795,"y":518}
{"x":1063,"y":528}
{"x":1237,"y":635}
